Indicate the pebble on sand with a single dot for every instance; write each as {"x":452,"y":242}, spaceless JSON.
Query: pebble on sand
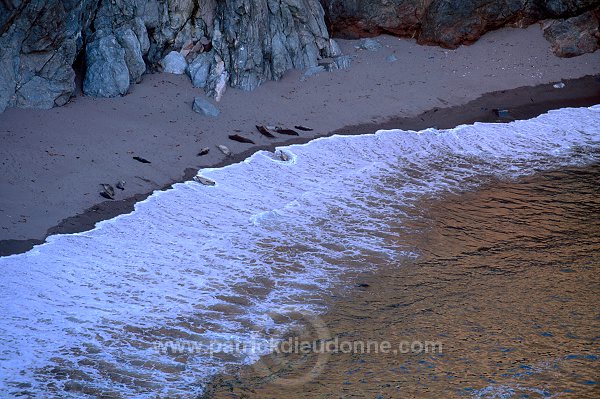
{"x":370,"y":44}
{"x":204,"y":107}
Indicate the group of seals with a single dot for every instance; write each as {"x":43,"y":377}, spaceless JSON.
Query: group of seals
{"x":108,"y":190}
{"x":268,"y":130}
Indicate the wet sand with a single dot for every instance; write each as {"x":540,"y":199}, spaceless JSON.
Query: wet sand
{"x":522,"y":103}
{"x":507,"y":281}
{"x":52,"y":161}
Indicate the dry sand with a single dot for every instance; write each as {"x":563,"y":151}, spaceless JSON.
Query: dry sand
{"x":54,"y":160}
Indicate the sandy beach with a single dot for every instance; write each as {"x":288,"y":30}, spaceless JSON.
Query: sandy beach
{"x":53,"y":161}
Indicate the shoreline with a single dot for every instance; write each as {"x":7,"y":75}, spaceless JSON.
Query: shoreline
{"x":522,"y":103}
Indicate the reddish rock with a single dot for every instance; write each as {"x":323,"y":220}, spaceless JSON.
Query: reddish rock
{"x":574,"y":36}
{"x":442,"y":22}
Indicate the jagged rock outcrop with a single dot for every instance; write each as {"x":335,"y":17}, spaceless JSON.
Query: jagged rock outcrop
{"x":261,"y":39}
{"x":250,"y":42}
{"x":441,"y":22}
{"x":574,"y":36}
{"x":107,"y":74}
{"x":38,"y":44}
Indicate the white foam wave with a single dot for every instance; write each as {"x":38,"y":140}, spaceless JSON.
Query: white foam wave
{"x":201,"y":262}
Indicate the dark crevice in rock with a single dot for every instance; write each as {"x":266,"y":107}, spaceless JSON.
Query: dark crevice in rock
{"x":79,"y":67}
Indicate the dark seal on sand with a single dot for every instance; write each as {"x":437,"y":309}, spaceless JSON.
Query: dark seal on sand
{"x":241,"y":139}
{"x":264,"y":131}
{"x":289,"y":132}
{"x":108,"y":191}
{"x":142,"y":160}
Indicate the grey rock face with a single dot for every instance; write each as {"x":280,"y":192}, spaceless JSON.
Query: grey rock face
{"x":574,"y":36}
{"x":133,"y":54}
{"x":107,"y":74}
{"x":36,"y":58}
{"x":335,"y":49}
{"x":251,"y":41}
{"x":259,"y":40}
{"x":314,"y":70}
{"x":205,"y":107}
{"x":199,"y":69}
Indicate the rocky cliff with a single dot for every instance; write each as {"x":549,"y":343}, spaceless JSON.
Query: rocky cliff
{"x":442,"y":22}
{"x":242,"y":43}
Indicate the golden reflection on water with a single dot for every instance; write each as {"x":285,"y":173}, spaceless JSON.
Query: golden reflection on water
{"x":507,"y":280}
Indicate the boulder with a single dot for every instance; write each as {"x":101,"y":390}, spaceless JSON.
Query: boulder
{"x":205,"y":107}
{"x":370,"y":44}
{"x":174,"y":62}
{"x":343,"y":61}
{"x":107,"y":74}
{"x":574,"y":36}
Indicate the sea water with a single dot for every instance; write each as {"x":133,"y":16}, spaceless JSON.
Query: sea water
{"x":86,"y":314}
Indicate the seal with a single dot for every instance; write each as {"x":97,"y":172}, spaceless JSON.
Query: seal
{"x":107,"y":191}
{"x":241,"y":139}
{"x":121,"y":184}
{"x":265,"y":131}
{"x":204,"y":181}
{"x":224,"y":150}
{"x":289,"y":132}
{"x":304,"y":128}
{"x":142,"y":160}
{"x":283,"y":156}
{"x":203,"y":151}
